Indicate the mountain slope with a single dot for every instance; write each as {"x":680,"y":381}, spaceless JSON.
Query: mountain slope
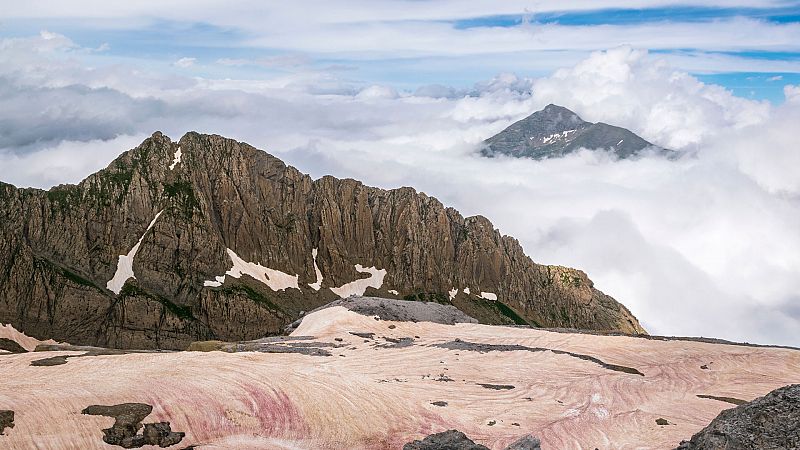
{"x":556,"y":131}
{"x":210,"y":238}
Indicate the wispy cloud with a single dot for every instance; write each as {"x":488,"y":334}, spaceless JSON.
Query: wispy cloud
{"x":386,"y":38}
{"x":185,"y":62}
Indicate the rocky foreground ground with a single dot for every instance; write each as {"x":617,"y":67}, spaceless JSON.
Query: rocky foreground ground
{"x":382,"y":374}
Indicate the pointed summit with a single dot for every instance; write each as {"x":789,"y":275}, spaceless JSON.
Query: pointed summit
{"x":556,"y":131}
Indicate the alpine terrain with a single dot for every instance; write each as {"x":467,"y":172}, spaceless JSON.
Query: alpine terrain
{"x":556,"y":131}
{"x":210,"y":238}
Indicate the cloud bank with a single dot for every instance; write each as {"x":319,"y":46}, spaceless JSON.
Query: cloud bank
{"x":706,"y":245}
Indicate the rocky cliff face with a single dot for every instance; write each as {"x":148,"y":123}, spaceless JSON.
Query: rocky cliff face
{"x":556,"y":131}
{"x":210,"y":238}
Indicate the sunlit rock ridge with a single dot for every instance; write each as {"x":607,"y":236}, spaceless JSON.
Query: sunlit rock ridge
{"x":556,"y":131}
{"x":210,"y":238}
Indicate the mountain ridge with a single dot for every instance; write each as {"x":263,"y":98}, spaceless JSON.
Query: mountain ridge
{"x":182,"y":223}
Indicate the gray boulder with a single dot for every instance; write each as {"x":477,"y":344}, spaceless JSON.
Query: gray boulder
{"x":771,"y":422}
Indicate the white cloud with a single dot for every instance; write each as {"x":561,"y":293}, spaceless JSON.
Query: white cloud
{"x":253,"y":12}
{"x":376,"y":92}
{"x":378,"y":31}
{"x":706,"y":245}
{"x":64,"y":162}
{"x":185,"y":62}
{"x":792,"y":93}
{"x":629,"y":88}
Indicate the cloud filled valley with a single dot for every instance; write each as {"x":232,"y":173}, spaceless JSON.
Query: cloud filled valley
{"x":703,"y":245}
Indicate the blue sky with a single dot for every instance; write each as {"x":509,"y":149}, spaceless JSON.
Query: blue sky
{"x":750,"y":47}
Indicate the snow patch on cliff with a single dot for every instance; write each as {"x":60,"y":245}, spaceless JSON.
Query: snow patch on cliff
{"x":273,"y":279}
{"x":216,"y":282}
{"x":125,"y":262}
{"x":317,"y":285}
{"x":176,"y":158}
{"x":358,"y":287}
{"x":488,"y":296}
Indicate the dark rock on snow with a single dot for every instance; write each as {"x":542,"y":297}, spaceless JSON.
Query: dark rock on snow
{"x":11,"y":346}
{"x":446,"y":440}
{"x":6,"y":420}
{"x":456,"y":440}
{"x":127,"y":422}
{"x":771,"y":422}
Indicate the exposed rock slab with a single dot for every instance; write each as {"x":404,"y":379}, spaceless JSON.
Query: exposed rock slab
{"x":771,"y":422}
{"x":403,"y":310}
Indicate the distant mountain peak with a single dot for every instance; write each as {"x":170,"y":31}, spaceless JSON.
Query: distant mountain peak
{"x":556,"y":131}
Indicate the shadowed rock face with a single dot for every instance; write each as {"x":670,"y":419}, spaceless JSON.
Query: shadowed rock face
{"x":771,"y":422}
{"x":181,"y":225}
{"x":556,"y":131}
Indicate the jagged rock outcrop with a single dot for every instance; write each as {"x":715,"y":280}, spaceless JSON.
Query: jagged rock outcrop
{"x":771,"y":422}
{"x":209,"y":238}
{"x":556,"y":131}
